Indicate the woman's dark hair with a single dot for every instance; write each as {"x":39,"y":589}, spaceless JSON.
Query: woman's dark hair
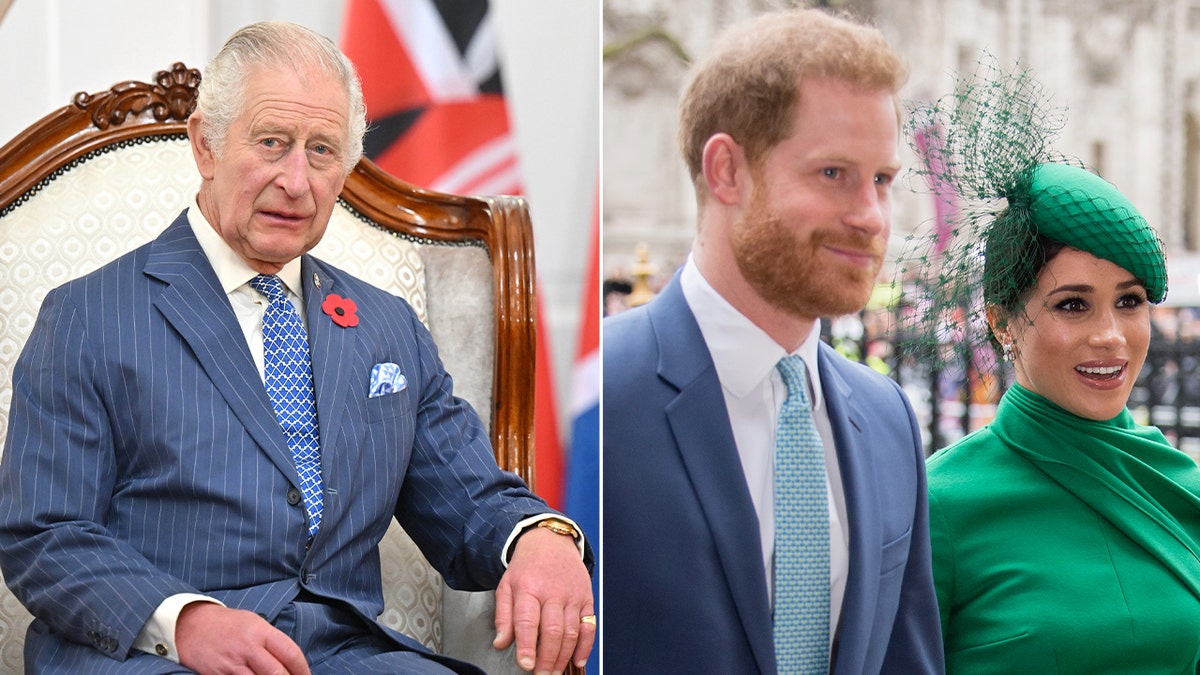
{"x":1012,"y":263}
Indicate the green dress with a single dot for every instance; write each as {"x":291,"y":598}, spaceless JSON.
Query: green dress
{"x":1063,"y":545}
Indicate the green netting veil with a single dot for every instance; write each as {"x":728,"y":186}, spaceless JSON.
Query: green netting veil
{"x":1002,"y":194}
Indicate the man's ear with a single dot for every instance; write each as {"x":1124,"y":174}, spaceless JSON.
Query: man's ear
{"x":206,"y":160}
{"x":725,"y":168}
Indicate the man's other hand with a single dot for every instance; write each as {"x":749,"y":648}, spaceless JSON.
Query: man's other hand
{"x":541,"y":600}
{"x":215,"y":639}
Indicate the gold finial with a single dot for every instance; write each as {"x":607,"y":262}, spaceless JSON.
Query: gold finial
{"x":642,"y":271}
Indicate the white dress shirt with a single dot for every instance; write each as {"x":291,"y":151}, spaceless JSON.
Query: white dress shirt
{"x":745,"y":358}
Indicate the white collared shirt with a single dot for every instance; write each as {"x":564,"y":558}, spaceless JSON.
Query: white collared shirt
{"x":235,"y":274}
{"x":745,"y":358}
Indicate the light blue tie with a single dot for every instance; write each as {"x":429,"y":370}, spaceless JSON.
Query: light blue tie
{"x":801,"y":532}
{"x":289,"y":383}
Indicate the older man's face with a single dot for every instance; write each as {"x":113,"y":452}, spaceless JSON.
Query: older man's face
{"x":271,"y":192}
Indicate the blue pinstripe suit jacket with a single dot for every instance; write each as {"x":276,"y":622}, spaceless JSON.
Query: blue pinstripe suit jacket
{"x":143,"y":458}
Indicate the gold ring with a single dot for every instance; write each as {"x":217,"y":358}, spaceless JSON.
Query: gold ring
{"x":590,"y":618}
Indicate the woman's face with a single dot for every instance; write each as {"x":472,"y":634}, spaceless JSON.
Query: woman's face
{"x":1082,"y":337}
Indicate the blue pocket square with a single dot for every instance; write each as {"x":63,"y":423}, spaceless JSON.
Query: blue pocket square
{"x":386,"y":378}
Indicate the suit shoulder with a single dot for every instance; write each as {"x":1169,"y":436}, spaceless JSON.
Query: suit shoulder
{"x":124,"y":268}
{"x":626,"y":334}
{"x":329,"y":270}
{"x":628,"y":348}
{"x":360,"y":290}
{"x":629,"y":321}
{"x":859,"y":376}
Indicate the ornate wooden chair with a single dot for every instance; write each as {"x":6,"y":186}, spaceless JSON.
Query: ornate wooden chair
{"x":108,"y":172}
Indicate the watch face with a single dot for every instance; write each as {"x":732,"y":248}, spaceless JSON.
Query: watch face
{"x":559,"y":527}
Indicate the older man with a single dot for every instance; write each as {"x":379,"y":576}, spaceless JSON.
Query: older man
{"x":201,"y":462}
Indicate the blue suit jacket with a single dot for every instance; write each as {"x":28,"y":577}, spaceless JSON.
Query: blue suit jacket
{"x":685,"y":590}
{"x":144,"y":459}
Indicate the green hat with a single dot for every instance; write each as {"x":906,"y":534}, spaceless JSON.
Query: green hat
{"x":986,"y":153}
{"x":1082,"y":210}
{"x":1072,"y":206}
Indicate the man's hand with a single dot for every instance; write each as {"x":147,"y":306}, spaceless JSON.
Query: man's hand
{"x":215,"y":639}
{"x":540,"y":601}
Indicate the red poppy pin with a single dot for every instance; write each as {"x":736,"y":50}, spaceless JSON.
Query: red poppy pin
{"x":341,"y":310}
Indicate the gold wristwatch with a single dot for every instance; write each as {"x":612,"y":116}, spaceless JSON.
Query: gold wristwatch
{"x":560,"y":526}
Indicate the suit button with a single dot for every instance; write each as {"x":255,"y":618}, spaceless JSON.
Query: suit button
{"x":294,"y":497}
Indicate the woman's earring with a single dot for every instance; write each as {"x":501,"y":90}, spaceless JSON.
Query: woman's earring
{"x":1006,"y":351}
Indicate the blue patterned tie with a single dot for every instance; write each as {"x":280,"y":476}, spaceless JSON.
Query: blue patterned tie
{"x":801,"y":532}
{"x":289,"y":383}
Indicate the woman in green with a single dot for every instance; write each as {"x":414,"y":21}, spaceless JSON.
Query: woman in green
{"x":1066,"y":537}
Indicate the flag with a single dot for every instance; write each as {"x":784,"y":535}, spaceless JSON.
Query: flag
{"x":438,"y":119}
{"x":547,"y":442}
{"x":583,"y":464}
{"x":431,"y":82}
{"x":931,"y":146}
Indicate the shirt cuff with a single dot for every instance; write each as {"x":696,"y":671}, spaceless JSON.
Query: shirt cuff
{"x":530,"y":522}
{"x":158,"y":634}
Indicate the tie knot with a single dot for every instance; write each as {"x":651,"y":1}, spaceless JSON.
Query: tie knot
{"x":794,"y":375}
{"x":270,"y":286}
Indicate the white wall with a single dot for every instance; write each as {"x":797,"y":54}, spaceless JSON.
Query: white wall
{"x":52,"y":49}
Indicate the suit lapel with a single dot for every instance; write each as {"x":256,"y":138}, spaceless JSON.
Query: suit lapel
{"x":847,"y":420}
{"x":194,"y":304}
{"x":330,"y":346}
{"x":700,"y":423}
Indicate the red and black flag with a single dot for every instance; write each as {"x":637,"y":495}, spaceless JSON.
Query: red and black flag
{"x":431,"y":79}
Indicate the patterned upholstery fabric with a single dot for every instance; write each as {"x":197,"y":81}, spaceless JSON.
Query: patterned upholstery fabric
{"x":108,"y":203}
